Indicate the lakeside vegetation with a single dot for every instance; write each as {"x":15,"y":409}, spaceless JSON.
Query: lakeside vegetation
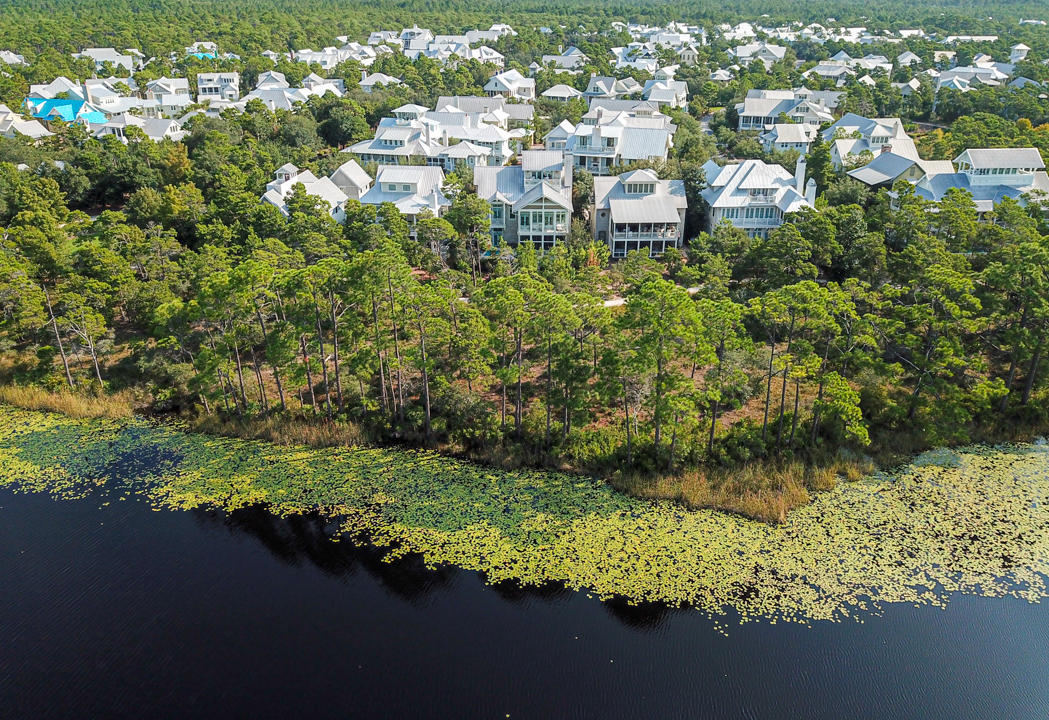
{"x":739,"y":373}
{"x":972,"y":521}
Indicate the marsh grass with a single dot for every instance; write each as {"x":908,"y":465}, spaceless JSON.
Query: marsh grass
{"x":114,"y":406}
{"x":764,"y":491}
{"x":282,"y":430}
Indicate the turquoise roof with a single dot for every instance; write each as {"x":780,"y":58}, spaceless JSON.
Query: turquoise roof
{"x":68,"y":109}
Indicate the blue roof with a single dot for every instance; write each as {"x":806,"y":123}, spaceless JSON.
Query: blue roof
{"x":68,"y":109}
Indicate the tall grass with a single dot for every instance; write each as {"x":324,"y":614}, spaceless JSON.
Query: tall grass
{"x":764,"y":491}
{"x":117,"y":405}
{"x":282,"y":430}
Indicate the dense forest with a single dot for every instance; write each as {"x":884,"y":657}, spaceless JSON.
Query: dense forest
{"x":875,"y":323}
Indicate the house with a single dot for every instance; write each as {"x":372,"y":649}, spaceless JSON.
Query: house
{"x":755,"y":196}
{"x":288,"y":176}
{"x":989,"y":175}
{"x":765,"y":53}
{"x":511,"y":85}
{"x":1018,"y":53}
{"x":789,"y":136}
{"x":12,"y":124}
{"x":531,"y":202}
{"x":854,"y":135}
{"x":907,"y":58}
{"x":101,"y":56}
{"x":518,"y":114}
{"x":688,"y":55}
{"x":9,"y":58}
{"x":351,"y":179}
{"x":571,"y":59}
{"x":666,"y":93}
{"x":761,"y":108}
{"x":908,"y":88}
{"x":561,"y":93}
{"x":156,"y":129}
{"x":271,"y":79}
{"x":888,"y":167}
{"x":637,"y":56}
{"x":369,"y":82}
{"x":170,"y":94}
{"x":218,"y":86}
{"x":609,"y":139}
{"x":722,"y":75}
{"x":412,"y":188}
{"x":602,"y":86}
{"x":67,"y":109}
{"x":638,"y":211}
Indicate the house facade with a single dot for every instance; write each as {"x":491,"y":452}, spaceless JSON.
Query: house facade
{"x":531,"y":202}
{"x":755,"y":196}
{"x":638,"y":211}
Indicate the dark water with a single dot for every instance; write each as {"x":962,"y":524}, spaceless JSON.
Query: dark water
{"x":122,"y":611}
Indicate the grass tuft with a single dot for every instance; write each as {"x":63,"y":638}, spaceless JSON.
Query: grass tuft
{"x":115,"y":406}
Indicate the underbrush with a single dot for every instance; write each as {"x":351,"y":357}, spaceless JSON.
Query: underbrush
{"x":114,"y":406}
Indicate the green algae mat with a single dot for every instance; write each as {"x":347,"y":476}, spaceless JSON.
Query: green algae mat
{"x":974,"y":520}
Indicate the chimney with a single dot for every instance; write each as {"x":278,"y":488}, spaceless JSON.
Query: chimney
{"x":364,"y":75}
{"x":799,"y":176}
{"x":810,"y":192}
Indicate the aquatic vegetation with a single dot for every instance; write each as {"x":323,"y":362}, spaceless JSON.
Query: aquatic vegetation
{"x":974,"y":520}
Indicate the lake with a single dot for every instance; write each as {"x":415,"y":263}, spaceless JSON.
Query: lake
{"x":115,"y":608}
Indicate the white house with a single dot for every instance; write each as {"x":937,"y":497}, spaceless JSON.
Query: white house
{"x":561,"y":93}
{"x":755,"y":196}
{"x":761,"y":108}
{"x":989,"y":175}
{"x":412,"y":188}
{"x":765,"y":53}
{"x":531,"y":202}
{"x":606,"y":138}
{"x":351,"y":179}
{"x":12,"y":124}
{"x":638,"y":211}
{"x":789,"y":136}
{"x":218,"y":86}
{"x":369,"y":82}
{"x":666,"y":93}
{"x":854,"y":135}
{"x":511,"y":85}
{"x":288,"y":176}
{"x":101,"y":56}
{"x":171,"y":94}
{"x":10,"y":58}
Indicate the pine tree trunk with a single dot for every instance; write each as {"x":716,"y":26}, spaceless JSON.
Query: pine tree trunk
{"x":58,"y":337}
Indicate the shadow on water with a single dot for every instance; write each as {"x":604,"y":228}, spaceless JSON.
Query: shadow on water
{"x":311,"y":540}
{"x":300,"y":540}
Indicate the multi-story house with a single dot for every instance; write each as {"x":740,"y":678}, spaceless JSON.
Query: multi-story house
{"x":853,"y":137}
{"x":989,"y":175}
{"x":412,"y":188}
{"x":666,"y":93}
{"x":531,"y":202}
{"x":761,"y":108}
{"x":288,"y":176}
{"x":606,"y":139}
{"x":765,"y":53}
{"x":789,"y":136}
{"x":638,"y":211}
{"x":511,"y":85}
{"x":218,"y":86}
{"x":755,"y":196}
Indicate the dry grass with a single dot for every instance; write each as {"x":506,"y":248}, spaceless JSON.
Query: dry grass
{"x":282,"y":430}
{"x":764,"y":491}
{"x":114,"y":406}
